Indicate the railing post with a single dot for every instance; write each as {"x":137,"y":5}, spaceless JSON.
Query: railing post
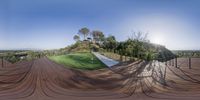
{"x":164,"y":77}
{"x":190,"y":67}
{"x":2,"y":61}
{"x":176,"y":62}
{"x":165,"y":62}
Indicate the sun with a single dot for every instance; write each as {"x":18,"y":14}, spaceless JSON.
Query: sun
{"x":157,"y":40}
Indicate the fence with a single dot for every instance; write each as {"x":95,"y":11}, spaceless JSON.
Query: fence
{"x":7,"y":59}
{"x":178,"y":62}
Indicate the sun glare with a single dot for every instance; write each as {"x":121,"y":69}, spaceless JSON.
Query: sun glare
{"x":157,"y":40}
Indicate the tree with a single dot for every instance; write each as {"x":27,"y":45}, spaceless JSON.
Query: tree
{"x":76,"y":38}
{"x":110,"y":43}
{"x":139,"y":36}
{"x":84,"y":31}
{"x":120,"y":49}
{"x":134,"y":46}
{"x":98,"y":36}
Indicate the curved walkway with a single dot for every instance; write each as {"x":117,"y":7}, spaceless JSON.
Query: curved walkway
{"x":107,"y":61}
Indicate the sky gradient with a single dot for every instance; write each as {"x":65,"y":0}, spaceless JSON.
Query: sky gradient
{"x":50,"y":24}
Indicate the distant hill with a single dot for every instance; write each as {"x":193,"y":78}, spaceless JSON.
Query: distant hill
{"x":165,"y":54}
{"x":160,"y":52}
{"x":187,"y":53}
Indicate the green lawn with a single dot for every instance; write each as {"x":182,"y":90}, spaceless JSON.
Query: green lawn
{"x":79,"y":61}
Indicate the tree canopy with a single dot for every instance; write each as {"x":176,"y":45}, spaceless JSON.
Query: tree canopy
{"x":84,"y":31}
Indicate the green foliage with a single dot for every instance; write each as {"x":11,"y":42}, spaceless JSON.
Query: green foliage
{"x":137,"y":46}
{"x":76,"y":38}
{"x":110,"y":43}
{"x":94,"y":47}
{"x":143,"y":50}
{"x":12,"y":59}
{"x":164,"y":54}
{"x":98,"y":36}
{"x":84,"y":31}
{"x":83,"y":46}
{"x":34,"y":55}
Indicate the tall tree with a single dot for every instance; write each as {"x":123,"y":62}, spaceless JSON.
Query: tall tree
{"x":139,"y":39}
{"x":76,"y":38}
{"x":84,"y":31}
{"x":140,"y":36}
{"x":97,"y":36}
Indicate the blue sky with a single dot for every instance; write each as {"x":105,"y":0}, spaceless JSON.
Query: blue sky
{"x":50,"y":24}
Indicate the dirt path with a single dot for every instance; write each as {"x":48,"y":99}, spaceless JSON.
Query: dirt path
{"x":43,"y":79}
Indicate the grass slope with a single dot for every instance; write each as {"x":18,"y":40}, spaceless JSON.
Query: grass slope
{"x":79,"y":61}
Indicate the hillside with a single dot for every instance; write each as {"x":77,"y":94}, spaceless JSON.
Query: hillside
{"x":162,"y":53}
{"x":145,"y":50}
